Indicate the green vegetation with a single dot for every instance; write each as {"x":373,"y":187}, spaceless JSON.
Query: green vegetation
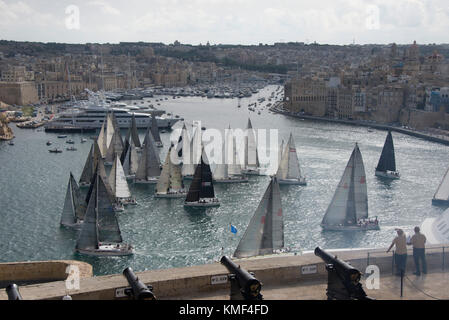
{"x":27,"y":111}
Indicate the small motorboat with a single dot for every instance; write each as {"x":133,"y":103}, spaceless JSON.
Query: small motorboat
{"x":11,"y":143}
{"x":83,"y":140}
{"x":70,"y":141}
{"x":61,"y":136}
{"x":48,"y":143}
{"x":71,"y":149}
{"x":55,"y":150}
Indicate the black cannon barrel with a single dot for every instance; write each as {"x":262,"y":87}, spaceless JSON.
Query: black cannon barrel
{"x":342,"y":267}
{"x":13,"y":292}
{"x":139,"y":289}
{"x":247,"y":282}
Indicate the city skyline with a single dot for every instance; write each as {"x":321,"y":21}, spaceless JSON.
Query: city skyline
{"x":225,"y":21}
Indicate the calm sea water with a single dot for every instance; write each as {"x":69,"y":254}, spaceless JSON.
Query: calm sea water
{"x":33,"y":184}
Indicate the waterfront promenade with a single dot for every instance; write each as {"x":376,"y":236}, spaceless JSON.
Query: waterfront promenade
{"x":285,"y":277}
{"x":278,"y":108}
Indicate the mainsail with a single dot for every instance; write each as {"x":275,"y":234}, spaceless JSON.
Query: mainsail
{"x":265,"y":232}
{"x":387,"y":160}
{"x":149,"y":164}
{"x":133,"y":133}
{"x":74,"y":205}
{"x":350,"y":201}
{"x":117,"y":180}
{"x":115,"y":147}
{"x":100,"y":223}
{"x":102,"y":139}
{"x":221,"y":169}
{"x":251,"y":155}
{"x":130,"y":160}
{"x":190,"y":151}
{"x":232,"y":160}
{"x":171,"y":178}
{"x":289,"y":165}
{"x":442,"y":193}
{"x":91,"y":164}
{"x":202,"y":185}
{"x":155,"y":130}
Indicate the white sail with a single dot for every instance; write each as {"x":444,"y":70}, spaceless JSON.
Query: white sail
{"x":110,"y":130}
{"x":289,"y":165}
{"x":117,"y":180}
{"x":163,"y":183}
{"x":189,"y":153}
{"x":149,"y":164}
{"x":251,"y":156}
{"x":265,"y":232}
{"x":234,"y":167}
{"x":350,"y":201}
{"x":102,"y":140}
{"x":442,"y":193}
{"x":176,"y":183}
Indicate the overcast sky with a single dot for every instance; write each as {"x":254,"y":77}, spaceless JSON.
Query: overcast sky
{"x":226,"y":21}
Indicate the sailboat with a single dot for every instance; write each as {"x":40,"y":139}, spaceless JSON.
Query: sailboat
{"x":100,"y":170}
{"x":90,"y":165}
{"x":155,"y":132}
{"x":100,"y":233}
{"x":149,"y":168}
{"x":74,"y":205}
{"x":386,"y":167}
{"x":201,"y":191}
{"x":130,"y":160}
{"x":348,"y":209}
{"x":441,"y":196}
{"x":115,"y":148}
{"x":117,"y":181}
{"x":289,"y":171}
{"x":229,"y":171}
{"x":265,"y":232}
{"x":170,"y":184}
{"x":133,"y":133}
{"x":252,"y":164}
{"x":191,"y":152}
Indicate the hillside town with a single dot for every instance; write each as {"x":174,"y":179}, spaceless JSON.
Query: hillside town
{"x":405,"y":84}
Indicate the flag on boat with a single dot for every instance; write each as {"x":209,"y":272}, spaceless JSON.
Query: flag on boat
{"x":233,"y":229}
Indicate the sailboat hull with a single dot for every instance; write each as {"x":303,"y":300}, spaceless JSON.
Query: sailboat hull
{"x":366,"y":227}
{"x":152,"y":180}
{"x":171,"y":195}
{"x":301,"y":182}
{"x":189,"y":177}
{"x":230,"y":180}
{"x":251,"y":172}
{"x":108,"y":250}
{"x":388,"y":174}
{"x":203,"y":203}
{"x":440,"y":202}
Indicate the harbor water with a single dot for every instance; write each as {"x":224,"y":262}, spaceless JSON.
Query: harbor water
{"x":33,"y":184}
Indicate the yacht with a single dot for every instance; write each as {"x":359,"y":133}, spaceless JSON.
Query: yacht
{"x":93,"y":117}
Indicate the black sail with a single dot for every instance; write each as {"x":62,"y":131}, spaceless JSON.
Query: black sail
{"x":201,"y":186}
{"x":207,"y":187}
{"x":387,"y":160}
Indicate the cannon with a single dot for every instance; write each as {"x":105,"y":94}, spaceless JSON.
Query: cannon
{"x":343,"y":281}
{"x":139,"y":291}
{"x":13,"y":292}
{"x":244,"y":286}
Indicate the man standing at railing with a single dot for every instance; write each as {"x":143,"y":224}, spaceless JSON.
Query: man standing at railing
{"x":418,"y":241}
{"x":400,"y":254}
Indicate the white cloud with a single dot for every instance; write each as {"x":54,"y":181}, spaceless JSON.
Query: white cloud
{"x":105,"y":7}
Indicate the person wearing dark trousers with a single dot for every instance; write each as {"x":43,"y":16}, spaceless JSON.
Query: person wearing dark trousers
{"x":418,"y":241}
{"x":400,"y":254}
